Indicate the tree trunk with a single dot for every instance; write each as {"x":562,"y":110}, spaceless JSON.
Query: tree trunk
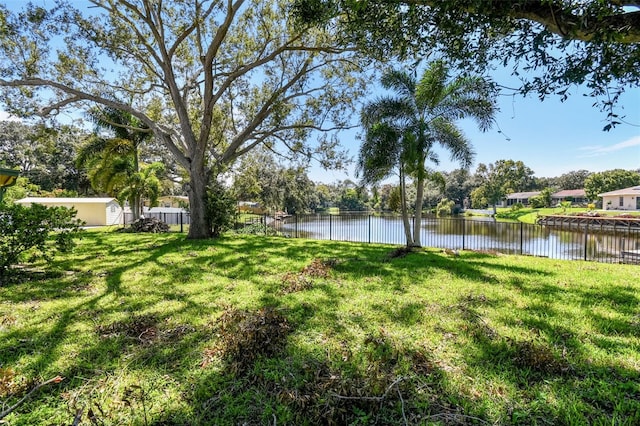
{"x":136,"y":207}
{"x":200,"y":226}
{"x":403,"y":208}
{"x":417,"y":225}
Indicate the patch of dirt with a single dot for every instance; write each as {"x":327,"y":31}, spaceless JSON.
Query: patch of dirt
{"x":141,"y":327}
{"x":538,"y":357}
{"x":303,"y":280}
{"x":319,"y":268}
{"x":294,"y":282}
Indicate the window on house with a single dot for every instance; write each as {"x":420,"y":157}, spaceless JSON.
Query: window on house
{"x":621,"y":202}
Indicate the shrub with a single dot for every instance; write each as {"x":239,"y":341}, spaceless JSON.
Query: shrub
{"x":537,"y":202}
{"x":591,"y":206}
{"x":517,"y":206}
{"x":445,"y":207}
{"x":221,"y":207}
{"x":257,"y":229}
{"x":25,"y":231}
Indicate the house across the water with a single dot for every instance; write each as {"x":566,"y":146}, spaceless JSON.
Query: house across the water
{"x":576,"y":196}
{"x":622,"y":199}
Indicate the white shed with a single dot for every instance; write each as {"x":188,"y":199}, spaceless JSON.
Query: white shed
{"x":93,"y":211}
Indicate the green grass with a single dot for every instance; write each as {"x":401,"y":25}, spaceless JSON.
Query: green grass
{"x":154,"y":329}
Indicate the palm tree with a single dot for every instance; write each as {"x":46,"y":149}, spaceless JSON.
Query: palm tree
{"x":402,"y":131}
{"x":144,"y":184}
{"x":113,"y":163}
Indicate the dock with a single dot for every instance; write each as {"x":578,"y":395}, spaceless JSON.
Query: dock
{"x":603,"y":222}
{"x":630,"y":256}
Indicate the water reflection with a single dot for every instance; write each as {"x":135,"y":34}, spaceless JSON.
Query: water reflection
{"x":468,"y":233}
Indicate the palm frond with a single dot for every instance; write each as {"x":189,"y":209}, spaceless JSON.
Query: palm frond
{"x":92,"y":147}
{"x":378,"y":154}
{"x":401,"y":82}
{"x":431,"y":89}
{"x":453,"y":140}
{"x":386,"y":109}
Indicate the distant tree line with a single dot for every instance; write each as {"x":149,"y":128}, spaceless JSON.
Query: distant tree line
{"x":50,"y":167}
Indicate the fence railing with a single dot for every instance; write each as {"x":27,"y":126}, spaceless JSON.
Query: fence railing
{"x":612,"y":244}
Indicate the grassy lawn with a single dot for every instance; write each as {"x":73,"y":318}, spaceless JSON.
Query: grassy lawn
{"x":154,"y":329}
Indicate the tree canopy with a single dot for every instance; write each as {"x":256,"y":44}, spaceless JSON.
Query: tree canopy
{"x":550,"y":45}
{"x":211,"y":79}
{"x":44,"y":154}
{"x":500,"y":179}
{"x":610,"y":180}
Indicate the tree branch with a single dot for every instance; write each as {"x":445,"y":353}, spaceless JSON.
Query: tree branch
{"x":8,"y":411}
{"x":263,"y":113}
{"x":556,"y":17}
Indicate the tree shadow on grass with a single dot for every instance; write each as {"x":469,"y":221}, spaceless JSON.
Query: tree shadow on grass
{"x":383,"y":382}
{"x":136,"y":335}
{"x":584,"y":392}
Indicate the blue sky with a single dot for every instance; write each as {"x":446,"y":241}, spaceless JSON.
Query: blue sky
{"x":550,"y":137}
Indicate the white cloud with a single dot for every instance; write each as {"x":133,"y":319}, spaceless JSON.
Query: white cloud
{"x":598,"y":150}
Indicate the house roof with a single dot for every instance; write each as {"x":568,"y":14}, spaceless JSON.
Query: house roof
{"x":632,"y":190}
{"x":570,"y":193}
{"x":521,"y":195}
{"x":62,"y":200}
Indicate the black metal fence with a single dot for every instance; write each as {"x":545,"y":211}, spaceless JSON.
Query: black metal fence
{"x":603,"y":244}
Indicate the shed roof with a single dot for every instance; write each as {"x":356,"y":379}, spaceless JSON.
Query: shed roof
{"x":62,"y":200}
{"x":632,"y":190}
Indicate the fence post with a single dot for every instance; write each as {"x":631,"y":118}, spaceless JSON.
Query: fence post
{"x":330,"y":227}
{"x":181,"y":222}
{"x":369,"y":229}
{"x":521,"y":237}
{"x":296,"y":226}
{"x":464,"y":232}
{"x":264,"y":220}
{"x":586,"y":234}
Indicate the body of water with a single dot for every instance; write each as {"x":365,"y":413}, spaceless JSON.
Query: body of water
{"x":474,"y":233}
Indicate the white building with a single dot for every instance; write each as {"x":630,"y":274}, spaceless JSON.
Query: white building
{"x":622,"y":199}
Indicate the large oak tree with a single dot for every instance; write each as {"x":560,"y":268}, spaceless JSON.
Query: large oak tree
{"x":211,"y":79}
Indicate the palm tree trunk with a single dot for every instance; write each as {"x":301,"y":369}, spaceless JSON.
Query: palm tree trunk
{"x":403,"y":208}
{"x":136,"y":206}
{"x":417,"y":225}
